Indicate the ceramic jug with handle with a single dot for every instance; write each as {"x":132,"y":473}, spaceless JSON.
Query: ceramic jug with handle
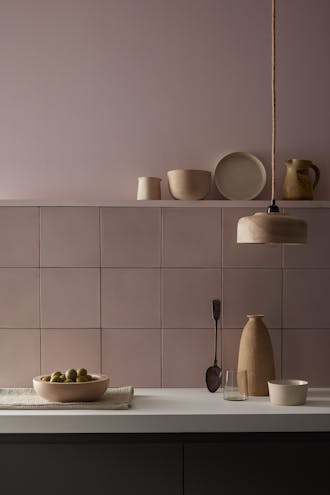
{"x":297,"y":181}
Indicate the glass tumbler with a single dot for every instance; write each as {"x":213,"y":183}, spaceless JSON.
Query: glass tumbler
{"x":235,"y":386}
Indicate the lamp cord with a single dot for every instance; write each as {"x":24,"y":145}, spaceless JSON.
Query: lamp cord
{"x":273,"y":97}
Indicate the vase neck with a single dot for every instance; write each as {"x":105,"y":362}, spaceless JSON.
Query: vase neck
{"x":255,"y":317}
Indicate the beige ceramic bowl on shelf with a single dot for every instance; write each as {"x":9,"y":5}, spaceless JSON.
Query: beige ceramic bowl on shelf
{"x":288,"y":392}
{"x":189,"y":184}
{"x":71,"y":392}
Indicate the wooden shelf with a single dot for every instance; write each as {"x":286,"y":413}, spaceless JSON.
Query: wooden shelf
{"x":166,"y":203}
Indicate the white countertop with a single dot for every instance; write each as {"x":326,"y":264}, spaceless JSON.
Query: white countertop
{"x":178,"y":410}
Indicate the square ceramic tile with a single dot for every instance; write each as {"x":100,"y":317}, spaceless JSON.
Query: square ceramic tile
{"x":187,"y":297}
{"x":191,"y":237}
{"x":230,"y":348}
{"x":19,"y":297}
{"x":69,"y":236}
{"x":130,"y":298}
{"x":19,"y":240}
{"x":306,"y":356}
{"x":186,"y":356}
{"x":132,"y":357}
{"x":130,"y":237}
{"x":62,"y":349}
{"x":314,"y":254}
{"x":70,"y":298}
{"x":248,"y":291}
{"x":19,"y":357}
{"x":245,"y":255}
{"x":306,"y":299}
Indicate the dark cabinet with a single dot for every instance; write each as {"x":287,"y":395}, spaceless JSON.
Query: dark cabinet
{"x":161,"y":464}
{"x":88,"y":467}
{"x":257,"y":464}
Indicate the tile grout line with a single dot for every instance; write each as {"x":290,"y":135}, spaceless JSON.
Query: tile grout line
{"x":100,"y":293}
{"x":282,"y":306}
{"x":214,"y":267}
{"x":39,"y":295}
{"x":221,"y":287}
{"x":282,"y":310}
{"x":7,"y":327}
{"x":161,"y":298}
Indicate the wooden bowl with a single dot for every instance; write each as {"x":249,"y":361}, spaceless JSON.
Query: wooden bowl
{"x":71,"y":392}
{"x":188,"y":184}
{"x":288,"y":392}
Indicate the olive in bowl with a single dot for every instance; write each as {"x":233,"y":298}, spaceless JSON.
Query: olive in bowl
{"x":71,"y":386}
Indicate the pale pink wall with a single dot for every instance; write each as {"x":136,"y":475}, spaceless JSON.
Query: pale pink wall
{"x":128,"y":291}
{"x":94,"y":93}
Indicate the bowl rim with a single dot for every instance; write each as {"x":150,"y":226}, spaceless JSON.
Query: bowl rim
{"x":288,"y":382}
{"x":101,"y":378}
{"x":232,"y":194}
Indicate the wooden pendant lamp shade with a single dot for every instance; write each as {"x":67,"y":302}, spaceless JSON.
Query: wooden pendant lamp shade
{"x":272,"y":227}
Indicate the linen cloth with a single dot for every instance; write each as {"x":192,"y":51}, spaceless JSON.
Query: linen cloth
{"x":27,"y":398}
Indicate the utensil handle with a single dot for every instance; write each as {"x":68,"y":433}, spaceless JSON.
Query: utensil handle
{"x":216,"y":310}
{"x":216,"y":307}
{"x":216,"y":343}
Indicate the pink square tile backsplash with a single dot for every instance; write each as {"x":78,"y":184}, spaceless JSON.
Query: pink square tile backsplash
{"x":70,"y":297}
{"x":306,"y":355}
{"x":306,"y":298}
{"x":19,"y":357}
{"x":186,"y":356}
{"x":130,"y":237}
{"x":316,"y":253}
{"x":19,"y":240}
{"x":130,"y":298}
{"x":19,"y":298}
{"x":69,"y":236}
{"x":191,"y":237}
{"x":82,"y":349}
{"x":128,"y":291}
{"x":248,"y":291}
{"x":132,"y":357}
{"x":187,"y":295}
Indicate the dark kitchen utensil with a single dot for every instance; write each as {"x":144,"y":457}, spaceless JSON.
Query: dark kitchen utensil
{"x":213,"y":373}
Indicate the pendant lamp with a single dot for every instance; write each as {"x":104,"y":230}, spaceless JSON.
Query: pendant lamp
{"x":271,"y":226}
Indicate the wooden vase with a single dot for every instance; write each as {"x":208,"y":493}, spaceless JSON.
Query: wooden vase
{"x":256,"y":356}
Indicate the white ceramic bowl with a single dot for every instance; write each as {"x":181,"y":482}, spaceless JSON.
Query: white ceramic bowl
{"x":288,"y":392}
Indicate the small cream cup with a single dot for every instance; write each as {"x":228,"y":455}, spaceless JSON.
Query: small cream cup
{"x":148,"y":188}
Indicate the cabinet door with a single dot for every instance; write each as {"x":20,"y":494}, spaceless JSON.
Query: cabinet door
{"x":256,"y":467}
{"x":93,"y":468}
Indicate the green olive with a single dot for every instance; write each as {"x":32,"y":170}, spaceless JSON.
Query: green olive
{"x":45,"y":378}
{"x":82,"y":372}
{"x":68,"y":380}
{"x":62,"y":378}
{"x":56,"y":373}
{"x":82,"y":379}
{"x":55,"y":378}
{"x":71,"y":374}
{"x":89,"y":378}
